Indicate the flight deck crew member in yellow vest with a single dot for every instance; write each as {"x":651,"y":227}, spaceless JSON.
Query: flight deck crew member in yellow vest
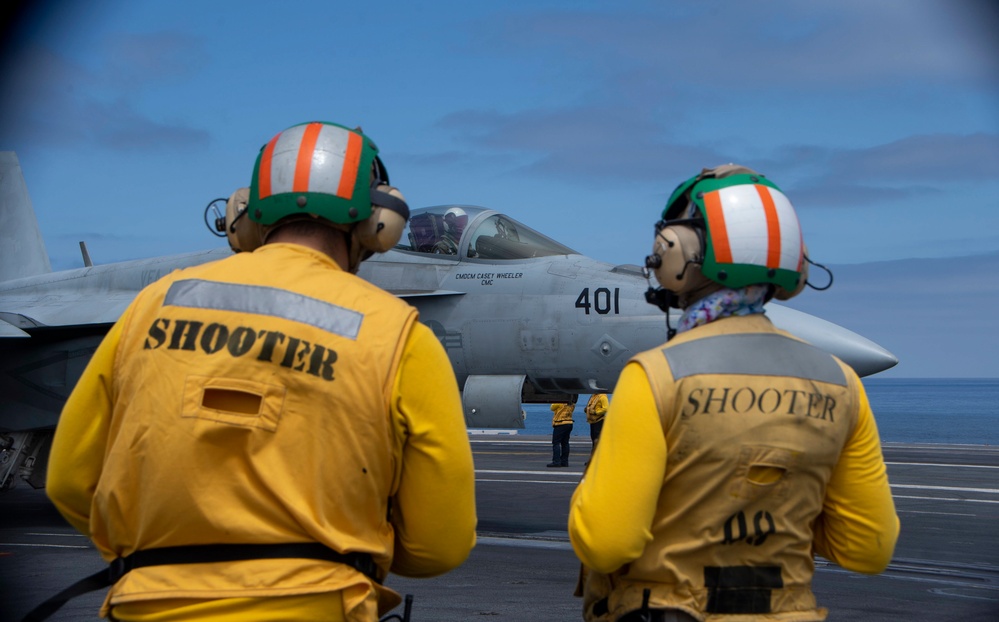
{"x":291,"y":426}
{"x":561,"y":431}
{"x":595,"y":409}
{"x":734,"y":453}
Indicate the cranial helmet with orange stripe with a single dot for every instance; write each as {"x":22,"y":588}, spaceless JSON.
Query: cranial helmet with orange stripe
{"x":322,"y":171}
{"x":726,"y":227}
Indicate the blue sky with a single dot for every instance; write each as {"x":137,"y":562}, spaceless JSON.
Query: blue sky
{"x":879,"y":120}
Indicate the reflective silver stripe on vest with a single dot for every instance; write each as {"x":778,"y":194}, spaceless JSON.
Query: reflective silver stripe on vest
{"x":270,"y":301}
{"x":753,"y":355}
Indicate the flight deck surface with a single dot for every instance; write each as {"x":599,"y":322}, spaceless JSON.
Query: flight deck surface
{"x":946,"y":564}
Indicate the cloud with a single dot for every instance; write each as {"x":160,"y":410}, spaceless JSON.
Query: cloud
{"x":54,"y":101}
{"x":456,"y":158}
{"x":936,"y":157}
{"x":586,"y":143}
{"x":645,"y":80}
{"x":780,"y":44}
{"x":119,"y":126}
{"x":597,"y":143}
{"x":833,"y":192}
{"x":912,"y":167}
{"x":133,"y":60}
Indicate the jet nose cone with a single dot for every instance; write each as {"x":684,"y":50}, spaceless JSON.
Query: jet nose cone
{"x":860,"y":353}
{"x":867,"y":357}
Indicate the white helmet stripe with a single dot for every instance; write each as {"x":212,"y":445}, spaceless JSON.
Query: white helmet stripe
{"x":790,"y":230}
{"x":753,"y":225}
{"x":314,"y":157}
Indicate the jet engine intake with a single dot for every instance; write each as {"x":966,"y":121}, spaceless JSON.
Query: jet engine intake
{"x":493,"y":401}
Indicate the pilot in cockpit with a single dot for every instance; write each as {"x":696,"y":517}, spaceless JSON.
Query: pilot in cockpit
{"x":455,"y":220}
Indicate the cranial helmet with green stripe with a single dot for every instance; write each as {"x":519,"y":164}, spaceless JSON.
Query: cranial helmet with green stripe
{"x":321,"y":169}
{"x":747,"y":228}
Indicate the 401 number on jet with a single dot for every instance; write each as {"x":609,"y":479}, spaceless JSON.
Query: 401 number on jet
{"x":604,"y":300}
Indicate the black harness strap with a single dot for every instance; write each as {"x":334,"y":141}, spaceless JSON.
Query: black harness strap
{"x":207,"y":553}
{"x":202,"y":554}
{"x":95,"y":581}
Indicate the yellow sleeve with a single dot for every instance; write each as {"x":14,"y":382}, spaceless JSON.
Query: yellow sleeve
{"x":434,"y":507}
{"x":80,"y":441}
{"x":602,"y":404}
{"x":611,"y":512}
{"x":858,"y":526}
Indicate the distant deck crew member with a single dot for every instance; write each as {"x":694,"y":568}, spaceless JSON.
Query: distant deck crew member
{"x":268,"y":436}
{"x":734,"y":453}
{"x":561,"y":431}
{"x":595,"y":409}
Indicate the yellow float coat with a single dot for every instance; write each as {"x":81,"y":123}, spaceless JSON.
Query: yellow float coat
{"x":268,"y":398}
{"x":596,"y":408}
{"x":562,"y":414}
{"x":729,"y":457}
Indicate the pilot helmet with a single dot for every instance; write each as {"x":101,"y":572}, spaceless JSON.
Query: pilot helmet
{"x":455,"y":219}
{"x":736,"y":228}
{"x":324,"y":171}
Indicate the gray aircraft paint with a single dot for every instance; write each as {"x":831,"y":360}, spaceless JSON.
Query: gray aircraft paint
{"x":23,"y":251}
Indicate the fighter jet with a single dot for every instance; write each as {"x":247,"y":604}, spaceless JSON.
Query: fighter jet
{"x":522,"y":317}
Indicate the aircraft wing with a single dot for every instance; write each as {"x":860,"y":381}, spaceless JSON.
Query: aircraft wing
{"x":9,"y":330}
{"x":66,"y":309}
{"x":92,"y":296}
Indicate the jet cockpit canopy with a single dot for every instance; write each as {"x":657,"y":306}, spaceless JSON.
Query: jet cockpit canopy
{"x":464,"y":231}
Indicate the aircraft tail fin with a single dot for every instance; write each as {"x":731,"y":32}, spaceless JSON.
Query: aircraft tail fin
{"x":22,"y":250}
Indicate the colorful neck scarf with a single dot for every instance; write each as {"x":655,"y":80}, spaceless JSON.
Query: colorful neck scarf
{"x":723,"y":303}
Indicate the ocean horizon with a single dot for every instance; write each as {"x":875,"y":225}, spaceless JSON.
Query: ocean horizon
{"x":951,"y":411}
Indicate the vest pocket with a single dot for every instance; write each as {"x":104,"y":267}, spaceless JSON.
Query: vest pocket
{"x":243,"y":403}
{"x":762,"y":471}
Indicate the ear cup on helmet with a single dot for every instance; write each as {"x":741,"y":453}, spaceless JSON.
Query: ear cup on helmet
{"x":243,"y":234}
{"x":384,"y":228}
{"x":677,"y":247}
{"x":381,"y":231}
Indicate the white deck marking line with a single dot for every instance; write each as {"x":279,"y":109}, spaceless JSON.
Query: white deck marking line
{"x":937,"y":464}
{"x":44,"y":546}
{"x":992,"y":491}
{"x":559,"y":471}
{"x":57,"y":535}
{"x":525,"y":481}
{"x":946,"y":499}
